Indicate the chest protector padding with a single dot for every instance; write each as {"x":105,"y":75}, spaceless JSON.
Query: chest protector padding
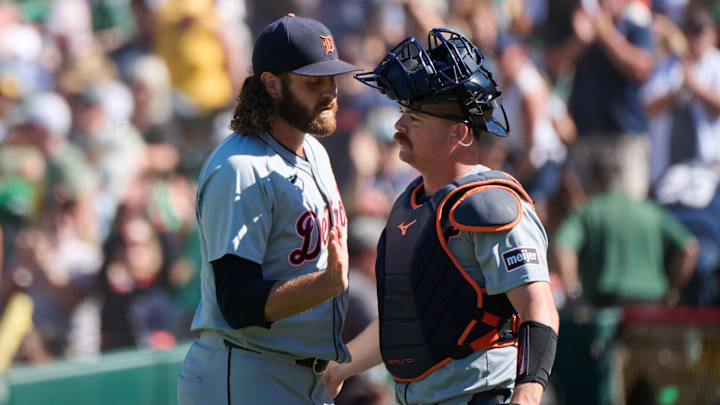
{"x":431,"y":311}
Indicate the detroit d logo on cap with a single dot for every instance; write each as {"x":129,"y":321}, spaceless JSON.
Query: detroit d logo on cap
{"x":328,"y":43}
{"x":519,"y":257}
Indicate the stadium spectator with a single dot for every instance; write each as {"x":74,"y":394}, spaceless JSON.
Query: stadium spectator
{"x":691,"y":191}
{"x":660,"y":95}
{"x":64,"y":266}
{"x":137,"y":308}
{"x":684,"y":98}
{"x":152,"y":93}
{"x":611,"y":251}
{"x":701,"y":85}
{"x":190,"y":40}
{"x":609,"y":43}
{"x":536,"y":149}
{"x":108,"y":109}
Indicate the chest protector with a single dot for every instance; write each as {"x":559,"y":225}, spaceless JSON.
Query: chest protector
{"x":431,"y":310}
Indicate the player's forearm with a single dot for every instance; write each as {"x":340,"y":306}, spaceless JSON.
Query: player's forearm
{"x":364,"y":350}
{"x":291,"y":297}
{"x":539,"y":306}
{"x":536,"y":342}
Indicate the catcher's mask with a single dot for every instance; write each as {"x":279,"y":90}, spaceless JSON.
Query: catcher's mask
{"x":449,"y":70}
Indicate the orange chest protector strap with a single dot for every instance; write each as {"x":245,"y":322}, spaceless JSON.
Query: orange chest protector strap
{"x":431,"y":310}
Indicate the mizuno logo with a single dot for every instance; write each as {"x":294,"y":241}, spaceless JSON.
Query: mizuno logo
{"x":404,"y":227}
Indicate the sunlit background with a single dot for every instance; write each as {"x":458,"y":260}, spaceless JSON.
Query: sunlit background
{"x":108,"y":109}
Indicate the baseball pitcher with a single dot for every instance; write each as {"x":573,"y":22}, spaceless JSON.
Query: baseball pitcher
{"x":273,"y":233}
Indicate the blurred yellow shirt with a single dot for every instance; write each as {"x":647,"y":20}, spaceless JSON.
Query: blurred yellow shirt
{"x":186,"y":38}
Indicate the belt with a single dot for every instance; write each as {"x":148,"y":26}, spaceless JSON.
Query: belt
{"x":316,"y":365}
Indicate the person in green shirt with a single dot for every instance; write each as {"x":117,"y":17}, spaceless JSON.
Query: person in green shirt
{"x":612,"y":250}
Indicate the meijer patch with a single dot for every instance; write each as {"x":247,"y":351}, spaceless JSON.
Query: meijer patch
{"x":519,"y":257}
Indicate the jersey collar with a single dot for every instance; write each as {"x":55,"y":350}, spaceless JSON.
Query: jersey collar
{"x":285,"y":153}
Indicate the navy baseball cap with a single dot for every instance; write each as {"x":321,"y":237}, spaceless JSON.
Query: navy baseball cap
{"x":298,"y":45}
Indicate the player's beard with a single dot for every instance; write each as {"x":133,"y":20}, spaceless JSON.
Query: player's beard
{"x":299,"y":116}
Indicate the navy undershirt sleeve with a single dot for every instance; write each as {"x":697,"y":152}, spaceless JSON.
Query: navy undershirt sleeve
{"x":241,"y":291}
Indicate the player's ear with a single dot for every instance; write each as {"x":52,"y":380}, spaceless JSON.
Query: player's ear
{"x":460,"y":132}
{"x":273,"y":84}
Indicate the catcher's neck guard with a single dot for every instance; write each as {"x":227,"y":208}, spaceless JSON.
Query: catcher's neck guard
{"x":449,"y":70}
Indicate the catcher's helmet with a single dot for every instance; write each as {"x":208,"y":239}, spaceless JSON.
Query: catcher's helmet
{"x":449,"y":70}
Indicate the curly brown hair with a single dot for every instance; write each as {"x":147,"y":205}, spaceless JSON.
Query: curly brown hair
{"x":254,"y":108}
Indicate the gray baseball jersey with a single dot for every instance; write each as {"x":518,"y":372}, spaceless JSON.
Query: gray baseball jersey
{"x":259,"y":201}
{"x":498,"y":261}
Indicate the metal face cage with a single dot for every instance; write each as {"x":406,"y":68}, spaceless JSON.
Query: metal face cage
{"x":449,"y":70}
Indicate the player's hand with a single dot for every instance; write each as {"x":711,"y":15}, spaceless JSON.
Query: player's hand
{"x":336,"y":272}
{"x":333,"y":382}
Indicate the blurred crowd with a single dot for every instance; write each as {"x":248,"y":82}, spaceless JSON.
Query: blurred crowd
{"x":109,"y":107}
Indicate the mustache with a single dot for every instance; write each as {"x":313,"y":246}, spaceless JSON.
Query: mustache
{"x":330,"y":103}
{"x":400,"y":137}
